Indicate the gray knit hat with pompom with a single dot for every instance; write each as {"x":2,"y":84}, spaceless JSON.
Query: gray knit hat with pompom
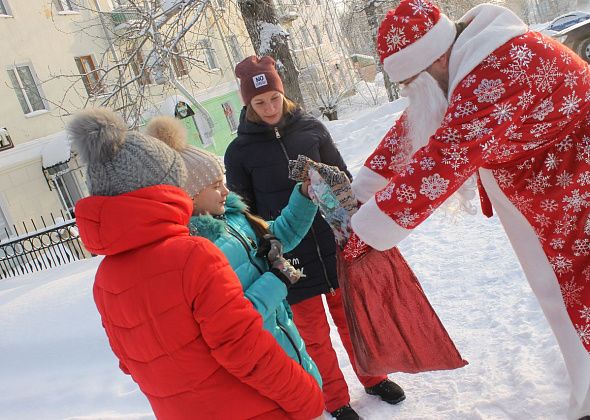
{"x":203,"y":168}
{"x":119,"y":160}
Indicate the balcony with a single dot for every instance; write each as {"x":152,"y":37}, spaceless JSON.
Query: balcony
{"x":5,"y":140}
{"x":122,"y":17}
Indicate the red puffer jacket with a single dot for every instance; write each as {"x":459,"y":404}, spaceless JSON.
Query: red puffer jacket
{"x":176,"y":316}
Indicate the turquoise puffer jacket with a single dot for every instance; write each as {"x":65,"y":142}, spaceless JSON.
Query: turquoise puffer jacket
{"x":235,"y":237}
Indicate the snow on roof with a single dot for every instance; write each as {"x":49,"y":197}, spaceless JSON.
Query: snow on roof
{"x":56,"y":150}
{"x":33,"y":150}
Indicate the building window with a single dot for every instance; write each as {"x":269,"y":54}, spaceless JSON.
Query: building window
{"x":90,"y":75}
{"x":318,"y":34}
{"x":68,"y":180}
{"x":65,"y":5}
{"x":179,"y":63}
{"x":5,"y":230}
{"x":236,"y":50}
{"x":210,"y":56}
{"x":230,"y":116}
{"x":4,"y":9}
{"x":140,"y":69}
{"x":5,"y":140}
{"x":329,"y":32}
{"x":26,"y":89}
{"x":306,"y":37}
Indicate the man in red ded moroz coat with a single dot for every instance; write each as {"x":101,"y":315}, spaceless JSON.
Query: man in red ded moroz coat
{"x":490,"y":98}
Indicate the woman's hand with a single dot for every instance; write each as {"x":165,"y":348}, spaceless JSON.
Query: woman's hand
{"x":304,"y":188}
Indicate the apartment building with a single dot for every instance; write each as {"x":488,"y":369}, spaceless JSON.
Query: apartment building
{"x":325,"y":70}
{"x":58,"y":56}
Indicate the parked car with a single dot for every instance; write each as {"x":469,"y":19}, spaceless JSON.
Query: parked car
{"x":572,"y":30}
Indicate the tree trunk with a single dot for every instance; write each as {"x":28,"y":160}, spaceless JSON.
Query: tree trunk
{"x":371,"y":13}
{"x":257,"y":13}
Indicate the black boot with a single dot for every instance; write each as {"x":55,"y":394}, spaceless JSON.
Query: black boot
{"x":345,"y":413}
{"x":389,"y":391}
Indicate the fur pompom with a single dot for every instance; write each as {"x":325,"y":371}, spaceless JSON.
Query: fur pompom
{"x":97,"y":134}
{"x":169,"y":130}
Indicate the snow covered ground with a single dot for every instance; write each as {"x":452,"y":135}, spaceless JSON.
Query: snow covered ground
{"x":55,"y":362}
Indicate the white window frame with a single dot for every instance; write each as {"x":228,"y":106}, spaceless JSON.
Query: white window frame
{"x":329,"y":31}
{"x":31,"y":112}
{"x":318,"y":34}
{"x":305,"y":37}
{"x":5,"y":7}
{"x":66,"y":7}
{"x":210,"y":55}
{"x":235,"y":48}
{"x":91,"y":77}
{"x":5,"y":215}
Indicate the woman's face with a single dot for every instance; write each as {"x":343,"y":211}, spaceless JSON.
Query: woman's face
{"x":211,"y":199}
{"x":269,"y":106}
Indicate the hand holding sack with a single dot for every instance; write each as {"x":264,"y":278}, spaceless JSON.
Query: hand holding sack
{"x":392,"y":326}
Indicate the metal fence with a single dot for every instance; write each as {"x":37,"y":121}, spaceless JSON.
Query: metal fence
{"x":39,"y":249}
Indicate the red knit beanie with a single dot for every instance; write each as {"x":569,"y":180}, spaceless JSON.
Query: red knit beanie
{"x":258,"y":75}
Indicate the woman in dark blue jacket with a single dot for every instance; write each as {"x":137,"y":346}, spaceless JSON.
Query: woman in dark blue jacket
{"x":272,"y":131}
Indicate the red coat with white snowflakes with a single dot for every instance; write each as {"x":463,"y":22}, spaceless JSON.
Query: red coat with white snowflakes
{"x":518,"y":116}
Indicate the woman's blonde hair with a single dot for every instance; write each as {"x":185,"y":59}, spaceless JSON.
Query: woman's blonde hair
{"x":289,"y":107}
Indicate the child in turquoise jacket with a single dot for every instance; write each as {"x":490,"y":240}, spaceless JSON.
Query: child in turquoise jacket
{"x":223,"y":218}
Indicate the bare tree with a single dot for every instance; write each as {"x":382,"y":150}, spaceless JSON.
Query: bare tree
{"x":326,"y":74}
{"x":142,"y":49}
{"x":268,"y":38}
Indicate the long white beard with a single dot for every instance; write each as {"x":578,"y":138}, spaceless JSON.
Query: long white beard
{"x":427,"y":108}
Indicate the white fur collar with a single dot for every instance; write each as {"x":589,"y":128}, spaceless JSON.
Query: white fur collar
{"x":489,"y":27}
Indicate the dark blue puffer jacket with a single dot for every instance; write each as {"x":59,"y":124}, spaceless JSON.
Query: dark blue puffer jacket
{"x":257,"y":169}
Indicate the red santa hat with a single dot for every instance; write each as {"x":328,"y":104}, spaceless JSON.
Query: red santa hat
{"x":412,"y":37}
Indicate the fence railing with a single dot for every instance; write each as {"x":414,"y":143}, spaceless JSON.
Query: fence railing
{"x":41,"y":249}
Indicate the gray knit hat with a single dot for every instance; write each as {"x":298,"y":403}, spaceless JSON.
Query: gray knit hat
{"x":203,"y":168}
{"x":119,"y":160}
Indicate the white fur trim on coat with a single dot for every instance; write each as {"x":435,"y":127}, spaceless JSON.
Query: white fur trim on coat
{"x":543,"y":281}
{"x":366,"y":183}
{"x":489,"y":27}
{"x":376,"y":228}
{"x":418,"y":56}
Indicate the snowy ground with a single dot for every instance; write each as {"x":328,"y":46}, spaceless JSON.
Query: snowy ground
{"x":55,"y":362}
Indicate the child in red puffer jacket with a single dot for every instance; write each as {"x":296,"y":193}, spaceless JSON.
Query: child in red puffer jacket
{"x":173,"y":310}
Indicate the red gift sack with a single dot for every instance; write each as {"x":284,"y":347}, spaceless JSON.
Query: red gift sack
{"x":392,"y":325}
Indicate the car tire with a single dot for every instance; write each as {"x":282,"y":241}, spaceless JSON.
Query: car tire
{"x":583,"y":49}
